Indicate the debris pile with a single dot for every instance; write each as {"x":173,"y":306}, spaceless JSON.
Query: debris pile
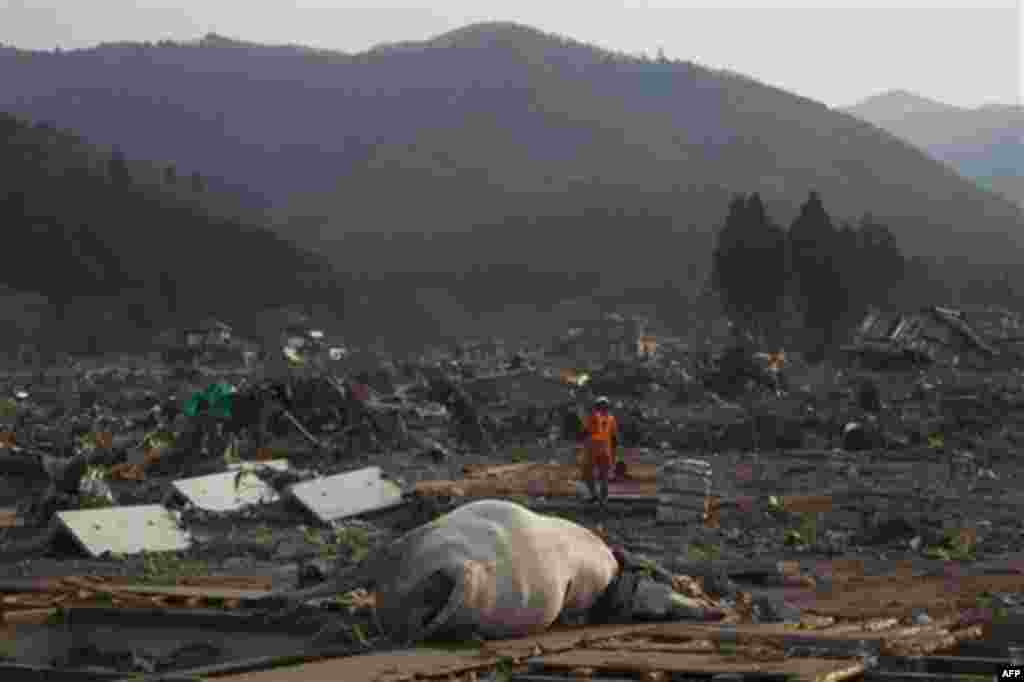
{"x":429,"y":497}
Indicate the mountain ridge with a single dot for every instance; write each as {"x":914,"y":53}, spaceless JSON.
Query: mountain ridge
{"x":452,"y":138}
{"x":897,"y":104}
{"x":984,"y":144}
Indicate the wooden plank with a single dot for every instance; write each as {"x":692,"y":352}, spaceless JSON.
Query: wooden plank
{"x":786,"y":635}
{"x":560,"y":639}
{"x":399,"y":666}
{"x":28,"y":616}
{"x":236,"y":582}
{"x":481,"y":471}
{"x":9,"y":518}
{"x":535,"y":677}
{"x":695,"y":646}
{"x":348,"y":494}
{"x":930,"y":642}
{"x":187,"y":591}
{"x":59,"y":584}
{"x":536,"y":479}
{"x":259,"y":664}
{"x":230,"y":490}
{"x":816,"y":669}
{"x":125,"y":530}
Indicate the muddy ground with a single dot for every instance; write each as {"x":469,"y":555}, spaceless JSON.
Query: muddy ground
{"x":284,"y":545}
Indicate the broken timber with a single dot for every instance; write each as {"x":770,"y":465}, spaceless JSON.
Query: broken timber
{"x":537,"y":480}
{"x":9,"y":518}
{"x":302,"y":429}
{"x":637,"y":651}
{"x":817,"y":669}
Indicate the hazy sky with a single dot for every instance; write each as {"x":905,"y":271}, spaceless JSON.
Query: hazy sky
{"x":961,"y":52}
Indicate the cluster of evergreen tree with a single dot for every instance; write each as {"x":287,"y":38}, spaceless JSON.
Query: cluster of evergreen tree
{"x":828,"y":275}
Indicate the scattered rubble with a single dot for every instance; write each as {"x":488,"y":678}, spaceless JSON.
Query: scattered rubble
{"x":728,"y":467}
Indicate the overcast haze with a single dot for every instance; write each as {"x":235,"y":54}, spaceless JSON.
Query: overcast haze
{"x":835,"y":52}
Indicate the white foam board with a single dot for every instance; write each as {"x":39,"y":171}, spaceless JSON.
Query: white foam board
{"x":348,"y":494}
{"x":230,"y":490}
{"x":125,"y":530}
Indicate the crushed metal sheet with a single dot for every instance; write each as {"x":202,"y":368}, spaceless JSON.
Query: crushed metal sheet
{"x":125,"y":530}
{"x":819,"y":670}
{"x":230,"y":490}
{"x":348,"y":494}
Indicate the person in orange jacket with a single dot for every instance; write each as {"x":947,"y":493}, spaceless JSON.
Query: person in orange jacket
{"x":602,"y":436}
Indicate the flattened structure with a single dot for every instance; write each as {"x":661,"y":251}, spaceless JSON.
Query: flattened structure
{"x":816,"y":669}
{"x":401,"y":666}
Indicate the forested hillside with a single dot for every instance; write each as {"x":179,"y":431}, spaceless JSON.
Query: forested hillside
{"x":85,"y":226}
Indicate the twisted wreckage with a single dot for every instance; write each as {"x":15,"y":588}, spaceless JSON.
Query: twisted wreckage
{"x":931,"y":335}
{"x":495,"y":569}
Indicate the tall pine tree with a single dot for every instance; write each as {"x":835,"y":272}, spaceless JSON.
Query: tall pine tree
{"x":750,"y":266}
{"x":818,"y":272}
{"x":882,"y":265}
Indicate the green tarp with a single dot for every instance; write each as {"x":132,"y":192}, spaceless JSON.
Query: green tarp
{"x":215,"y":401}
